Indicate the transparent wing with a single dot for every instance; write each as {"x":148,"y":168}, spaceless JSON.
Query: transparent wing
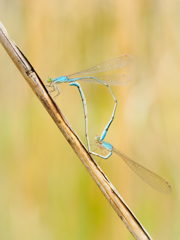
{"x":149,"y":177}
{"x":111,"y":64}
{"x":114,"y":80}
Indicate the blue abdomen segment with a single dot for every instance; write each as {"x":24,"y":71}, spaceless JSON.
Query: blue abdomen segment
{"x":62,"y":79}
{"x":107,"y":146}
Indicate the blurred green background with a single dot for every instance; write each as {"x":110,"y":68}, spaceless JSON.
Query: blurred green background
{"x":46,"y":193}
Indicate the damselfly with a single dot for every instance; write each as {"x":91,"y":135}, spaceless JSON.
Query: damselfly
{"x":107,"y":80}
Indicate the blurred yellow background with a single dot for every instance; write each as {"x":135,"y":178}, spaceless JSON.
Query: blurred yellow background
{"x":46,"y":193}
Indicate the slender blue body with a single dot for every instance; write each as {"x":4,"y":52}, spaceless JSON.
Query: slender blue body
{"x":106,"y":80}
{"x":72,"y":81}
{"x":62,"y":79}
{"x":107,"y":146}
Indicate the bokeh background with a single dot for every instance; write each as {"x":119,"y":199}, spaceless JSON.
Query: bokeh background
{"x":45,"y":191}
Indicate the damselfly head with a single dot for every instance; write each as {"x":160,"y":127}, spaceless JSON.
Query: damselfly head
{"x":49,"y":80}
{"x":99,"y":145}
{"x":97,"y":139}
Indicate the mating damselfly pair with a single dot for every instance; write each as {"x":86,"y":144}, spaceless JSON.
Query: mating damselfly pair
{"x":148,"y":176}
